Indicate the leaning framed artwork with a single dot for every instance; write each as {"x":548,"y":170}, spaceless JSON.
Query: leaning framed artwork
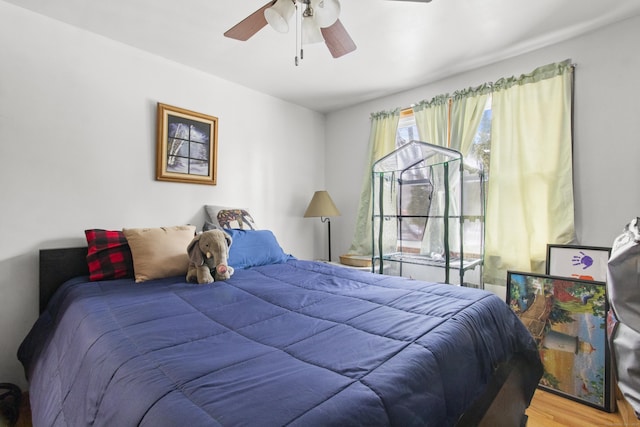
{"x":580,"y":262}
{"x":187,"y":146}
{"x":567,"y":318}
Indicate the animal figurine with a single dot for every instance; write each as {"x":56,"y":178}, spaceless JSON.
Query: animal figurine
{"x":208,"y":253}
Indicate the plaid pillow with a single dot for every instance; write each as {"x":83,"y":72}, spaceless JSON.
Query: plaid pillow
{"x":109,"y":256}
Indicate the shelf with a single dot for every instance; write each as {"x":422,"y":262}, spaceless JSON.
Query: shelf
{"x":454,"y":263}
{"x":464,"y":217}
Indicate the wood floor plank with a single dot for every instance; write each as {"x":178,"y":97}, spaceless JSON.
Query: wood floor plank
{"x":550,"y":410}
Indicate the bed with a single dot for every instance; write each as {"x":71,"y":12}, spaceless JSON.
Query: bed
{"x":290,"y":342}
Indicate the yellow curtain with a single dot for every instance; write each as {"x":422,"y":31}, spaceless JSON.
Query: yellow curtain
{"x":382,"y":140}
{"x":431,"y":120}
{"x":467,"y":107}
{"x":530,"y":193}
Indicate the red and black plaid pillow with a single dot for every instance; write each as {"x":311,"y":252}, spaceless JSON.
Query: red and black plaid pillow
{"x":109,"y":256}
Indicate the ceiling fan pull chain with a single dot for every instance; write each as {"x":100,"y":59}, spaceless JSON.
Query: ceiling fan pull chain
{"x":298,"y":34}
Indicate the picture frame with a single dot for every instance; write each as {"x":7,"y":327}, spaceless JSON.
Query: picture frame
{"x":187,"y":148}
{"x":580,"y":262}
{"x":567,"y":317}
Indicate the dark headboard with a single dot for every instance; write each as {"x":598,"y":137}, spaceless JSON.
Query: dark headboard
{"x":57,"y":266}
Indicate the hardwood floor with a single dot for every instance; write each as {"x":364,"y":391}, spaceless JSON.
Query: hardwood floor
{"x":546,"y":410}
{"x":550,"y":410}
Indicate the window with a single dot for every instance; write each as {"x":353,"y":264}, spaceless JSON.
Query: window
{"x":407,"y":129}
{"x":542,"y":189}
{"x":480,"y":152}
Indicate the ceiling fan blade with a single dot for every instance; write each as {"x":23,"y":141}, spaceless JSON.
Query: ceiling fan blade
{"x":250,"y":25}
{"x":338,"y":40}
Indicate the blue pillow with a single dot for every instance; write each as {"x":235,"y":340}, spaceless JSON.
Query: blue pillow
{"x":251,"y":248}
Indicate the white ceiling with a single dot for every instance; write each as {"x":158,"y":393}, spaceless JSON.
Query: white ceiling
{"x":401,"y":45}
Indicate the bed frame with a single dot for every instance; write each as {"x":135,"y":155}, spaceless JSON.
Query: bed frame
{"x":56,"y":267}
{"x":508,"y":394}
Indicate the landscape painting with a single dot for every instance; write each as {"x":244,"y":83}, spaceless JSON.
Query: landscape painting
{"x":567,"y":319}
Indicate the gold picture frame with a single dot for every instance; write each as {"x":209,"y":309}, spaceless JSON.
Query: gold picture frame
{"x":187,"y":149}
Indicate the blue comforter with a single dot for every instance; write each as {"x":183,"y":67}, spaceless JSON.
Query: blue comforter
{"x":300,"y":343}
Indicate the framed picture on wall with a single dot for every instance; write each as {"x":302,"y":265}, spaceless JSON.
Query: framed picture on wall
{"x":580,"y":262}
{"x":567,"y":318}
{"x":187,"y":146}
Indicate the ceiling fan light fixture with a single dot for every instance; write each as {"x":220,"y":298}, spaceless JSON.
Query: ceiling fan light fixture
{"x":279,"y":14}
{"x":326,"y":12}
{"x":321,"y":14}
{"x":311,"y":31}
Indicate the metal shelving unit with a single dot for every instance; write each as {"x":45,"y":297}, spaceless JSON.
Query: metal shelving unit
{"x":428,"y":210}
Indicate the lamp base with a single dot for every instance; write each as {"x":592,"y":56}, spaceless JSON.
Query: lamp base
{"x":328,"y":221}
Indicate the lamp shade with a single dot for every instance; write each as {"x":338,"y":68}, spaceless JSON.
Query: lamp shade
{"x":311,"y":31}
{"x":321,"y":205}
{"x":326,"y":12}
{"x":279,"y":14}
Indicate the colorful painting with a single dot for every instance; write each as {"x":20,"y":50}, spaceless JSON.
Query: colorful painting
{"x":567,"y":318}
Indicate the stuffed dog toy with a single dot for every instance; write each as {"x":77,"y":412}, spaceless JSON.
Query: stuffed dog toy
{"x":208,"y":253}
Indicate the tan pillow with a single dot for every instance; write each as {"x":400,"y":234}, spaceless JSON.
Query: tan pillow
{"x":159,"y":252}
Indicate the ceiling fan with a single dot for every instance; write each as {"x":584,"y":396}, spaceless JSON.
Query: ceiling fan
{"x":319,"y":23}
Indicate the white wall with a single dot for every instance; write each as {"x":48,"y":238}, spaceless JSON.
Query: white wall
{"x":77,"y":151}
{"x":606,"y":131}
